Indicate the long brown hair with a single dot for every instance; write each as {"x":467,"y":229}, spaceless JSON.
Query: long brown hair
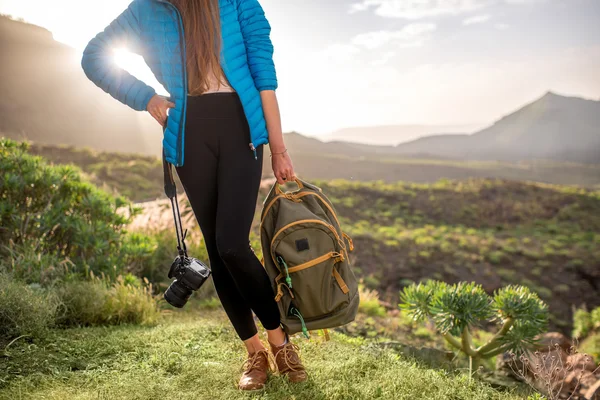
{"x":202,"y":26}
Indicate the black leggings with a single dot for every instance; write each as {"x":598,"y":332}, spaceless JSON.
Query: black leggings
{"x":221,"y":178}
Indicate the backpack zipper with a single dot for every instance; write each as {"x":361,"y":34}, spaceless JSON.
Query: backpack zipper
{"x":316,"y":261}
{"x":317,"y":221}
{"x":295,"y":312}
{"x":288,"y":280}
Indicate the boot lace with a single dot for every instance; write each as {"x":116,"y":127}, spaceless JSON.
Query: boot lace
{"x":290,"y":355}
{"x":253,"y":361}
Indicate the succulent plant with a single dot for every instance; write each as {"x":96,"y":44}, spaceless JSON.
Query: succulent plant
{"x":457,"y":309}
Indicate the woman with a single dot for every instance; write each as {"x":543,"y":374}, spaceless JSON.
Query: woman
{"x":214,"y":57}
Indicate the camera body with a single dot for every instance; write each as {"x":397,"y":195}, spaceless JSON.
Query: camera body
{"x":189,"y":274}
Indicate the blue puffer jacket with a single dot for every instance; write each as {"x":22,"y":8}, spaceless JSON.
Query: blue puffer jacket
{"x":154,"y":29}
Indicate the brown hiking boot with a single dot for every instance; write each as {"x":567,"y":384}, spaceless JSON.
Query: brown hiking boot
{"x":256,"y":369}
{"x":288,"y":361}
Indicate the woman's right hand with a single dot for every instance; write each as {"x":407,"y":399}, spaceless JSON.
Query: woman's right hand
{"x":158,"y":107}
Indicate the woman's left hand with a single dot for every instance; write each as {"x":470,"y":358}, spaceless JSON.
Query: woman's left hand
{"x":282,"y":168}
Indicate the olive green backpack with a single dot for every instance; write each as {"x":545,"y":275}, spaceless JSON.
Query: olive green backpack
{"x":305,"y":254}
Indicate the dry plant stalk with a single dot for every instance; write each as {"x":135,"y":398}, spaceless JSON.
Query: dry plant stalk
{"x":550,"y":371}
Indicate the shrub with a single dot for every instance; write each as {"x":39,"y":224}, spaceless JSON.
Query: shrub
{"x":164,"y":252}
{"x":98,"y":302}
{"x":24,"y":310}
{"x":585,"y":322}
{"x":582,"y":323}
{"x":369,"y":302}
{"x":591,"y":346}
{"x":83,"y":303}
{"x":62,"y":213}
{"x":26,"y":263}
{"x":128,"y":304}
{"x":457,"y":309}
{"x":210,"y":303}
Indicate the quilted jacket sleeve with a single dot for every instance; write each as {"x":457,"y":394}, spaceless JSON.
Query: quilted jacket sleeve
{"x":256,"y":32}
{"x":100,"y":67}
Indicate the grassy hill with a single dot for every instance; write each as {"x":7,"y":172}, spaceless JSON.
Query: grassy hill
{"x":197,"y":356}
{"x":140,"y":177}
{"x":493,"y":232}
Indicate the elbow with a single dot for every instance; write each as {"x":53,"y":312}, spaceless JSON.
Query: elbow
{"x":92,"y":59}
{"x":266,"y":87}
{"x":266,"y":79}
{"x":87,"y":62}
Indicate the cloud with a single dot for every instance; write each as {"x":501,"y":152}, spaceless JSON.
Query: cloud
{"x":361,"y":94}
{"x":385,"y":58}
{"x":477,"y":19}
{"x":501,"y":26}
{"x":417,"y":9}
{"x":339,"y":52}
{"x":412,"y":35}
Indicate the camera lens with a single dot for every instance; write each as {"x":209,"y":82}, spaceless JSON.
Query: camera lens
{"x":177,"y":294}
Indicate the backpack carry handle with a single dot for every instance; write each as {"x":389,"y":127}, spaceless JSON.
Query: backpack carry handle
{"x":278,"y":186}
{"x":301,"y":185}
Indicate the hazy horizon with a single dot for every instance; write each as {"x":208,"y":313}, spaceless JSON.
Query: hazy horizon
{"x":387,"y":62}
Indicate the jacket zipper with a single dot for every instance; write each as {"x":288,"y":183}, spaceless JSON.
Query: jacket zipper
{"x":183,"y":67}
{"x":184,"y":71}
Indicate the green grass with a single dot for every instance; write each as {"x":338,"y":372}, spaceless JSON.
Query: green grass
{"x":198,"y":356}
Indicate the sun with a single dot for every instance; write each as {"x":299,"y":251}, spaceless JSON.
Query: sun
{"x":135,"y":65}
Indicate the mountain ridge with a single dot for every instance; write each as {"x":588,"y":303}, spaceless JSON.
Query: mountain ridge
{"x":47,"y":99}
{"x":537,"y":130}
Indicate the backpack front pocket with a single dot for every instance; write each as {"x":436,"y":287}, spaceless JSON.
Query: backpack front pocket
{"x":306,"y":253}
{"x":314,"y":297}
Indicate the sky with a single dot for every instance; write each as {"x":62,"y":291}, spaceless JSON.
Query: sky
{"x":345,"y":63}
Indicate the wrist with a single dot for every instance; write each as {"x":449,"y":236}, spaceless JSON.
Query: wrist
{"x":278,"y":153}
{"x":277,"y":148}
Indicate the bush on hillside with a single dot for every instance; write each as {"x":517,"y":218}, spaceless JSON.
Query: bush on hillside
{"x":587,"y":327}
{"x":24,"y":310}
{"x":369,"y":302}
{"x":586,"y":323}
{"x":591,"y":346}
{"x":26,"y":263}
{"x":64,"y":215}
{"x":98,"y":302}
{"x":31,"y":310}
{"x":457,"y":309}
{"x":164,"y":252}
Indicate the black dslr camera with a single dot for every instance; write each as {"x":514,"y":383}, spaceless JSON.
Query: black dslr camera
{"x":189,"y":274}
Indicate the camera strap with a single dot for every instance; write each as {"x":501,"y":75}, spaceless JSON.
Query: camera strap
{"x":171,"y":192}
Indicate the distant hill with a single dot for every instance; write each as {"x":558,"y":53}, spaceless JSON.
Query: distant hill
{"x":140,"y":177}
{"x":47,"y":98}
{"x":552,"y":127}
{"x":392,"y":135}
